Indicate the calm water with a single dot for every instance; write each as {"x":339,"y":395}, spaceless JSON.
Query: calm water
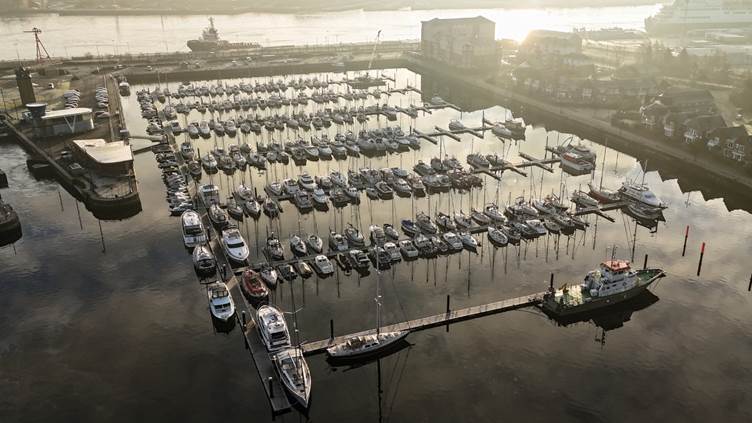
{"x":63,"y":35}
{"x":121,"y":332}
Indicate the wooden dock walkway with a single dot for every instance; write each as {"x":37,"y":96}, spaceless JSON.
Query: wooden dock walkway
{"x":530,"y":161}
{"x":262,"y":360}
{"x":600,"y":209}
{"x":273,"y":387}
{"x":443,"y":105}
{"x":451,"y":316}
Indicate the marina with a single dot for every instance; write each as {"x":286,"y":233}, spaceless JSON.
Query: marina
{"x":289,"y":190}
{"x":388,"y":232}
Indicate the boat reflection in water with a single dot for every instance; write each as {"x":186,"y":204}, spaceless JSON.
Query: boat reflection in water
{"x":610,"y":317}
{"x":10,"y":236}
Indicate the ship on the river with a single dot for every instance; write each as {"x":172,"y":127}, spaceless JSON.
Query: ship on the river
{"x":612,"y":282}
{"x":686,"y":15}
{"x":210,"y":41}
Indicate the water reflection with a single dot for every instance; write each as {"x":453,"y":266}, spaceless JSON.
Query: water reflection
{"x":145,"y":285}
{"x":612,"y":317}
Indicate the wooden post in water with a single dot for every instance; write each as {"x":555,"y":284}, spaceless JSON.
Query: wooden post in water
{"x":686,"y":235}
{"x":702,"y":253}
{"x":331,"y":328}
{"x":243,"y":319}
{"x":749,"y":288}
{"x":645,"y":263}
{"x":551,"y":283}
{"x":447,"y":305}
{"x":271,"y":387}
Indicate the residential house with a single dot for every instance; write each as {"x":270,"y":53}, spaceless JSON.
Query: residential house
{"x":653,"y":114}
{"x":698,"y":128}
{"x":734,"y":142}
{"x":673,"y":124}
{"x":685,"y":100}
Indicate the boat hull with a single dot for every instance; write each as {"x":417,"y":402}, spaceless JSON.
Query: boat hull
{"x":384,"y":347}
{"x":550,"y":305}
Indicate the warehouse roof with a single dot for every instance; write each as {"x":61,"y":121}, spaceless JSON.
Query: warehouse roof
{"x":105,"y":152}
{"x":76,"y":111}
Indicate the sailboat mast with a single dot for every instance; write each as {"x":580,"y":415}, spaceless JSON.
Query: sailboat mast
{"x":378,"y":293}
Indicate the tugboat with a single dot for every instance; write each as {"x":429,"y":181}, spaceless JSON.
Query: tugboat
{"x":210,"y":41}
{"x":612,"y":282}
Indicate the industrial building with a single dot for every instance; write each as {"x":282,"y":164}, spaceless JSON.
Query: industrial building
{"x":108,"y":159}
{"x":468,"y":43}
{"x":64,"y":122}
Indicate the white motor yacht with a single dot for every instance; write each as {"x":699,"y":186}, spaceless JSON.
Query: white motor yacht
{"x":193,"y":229}
{"x":640,"y":193}
{"x":306,"y":182}
{"x":272,"y":327}
{"x":209,"y":193}
{"x":454,"y":242}
{"x":220,"y":302}
{"x":234,"y":245}
{"x":393,"y":250}
{"x":323,"y":265}
{"x":203,"y":260}
{"x":407,"y":248}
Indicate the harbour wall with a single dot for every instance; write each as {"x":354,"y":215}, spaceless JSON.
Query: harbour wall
{"x":265,"y":69}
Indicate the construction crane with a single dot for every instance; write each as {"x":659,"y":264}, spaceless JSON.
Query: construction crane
{"x":373,"y":52}
{"x":41,"y":50}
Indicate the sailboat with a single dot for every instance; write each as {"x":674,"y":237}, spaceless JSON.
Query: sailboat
{"x":361,"y":346}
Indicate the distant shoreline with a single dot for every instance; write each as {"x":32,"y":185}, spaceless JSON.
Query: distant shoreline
{"x":386,"y":6}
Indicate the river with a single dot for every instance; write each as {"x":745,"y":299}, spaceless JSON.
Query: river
{"x":77,"y":35}
{"x":109,"y":323}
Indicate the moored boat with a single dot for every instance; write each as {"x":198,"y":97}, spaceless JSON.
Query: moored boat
{"x":204,"y":262}
{"x":234,"y":245}
{"x":295,"y":375}
{"x":603,"y":196}
{"x":193,"y":229}
{"x":220,"y":301}
{"x":612,"y":282}
{"x":272,"y":327}
{"x":252,"y":285}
